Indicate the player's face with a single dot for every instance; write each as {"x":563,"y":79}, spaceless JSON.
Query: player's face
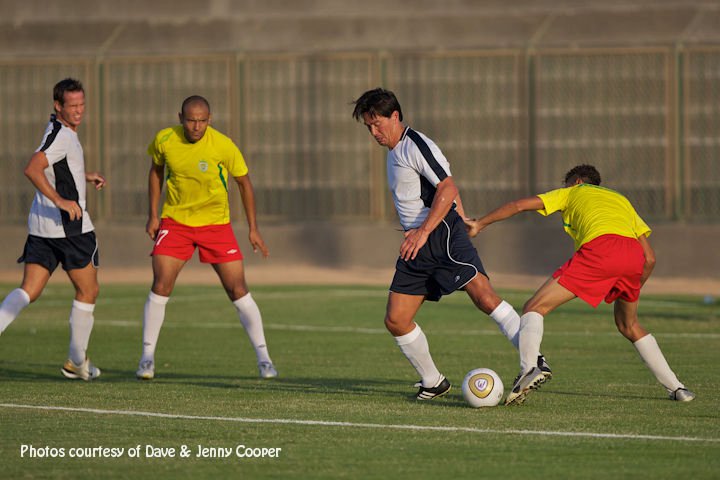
{"x":385,"y":130}
{"x":72,"y":110}
{"x":195,"y":120}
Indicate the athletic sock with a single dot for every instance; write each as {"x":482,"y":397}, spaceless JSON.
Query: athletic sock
{"x":416,"y":349}
{"x":508,"y":321}
{"x":154,"y":316}
{"x":531,"y":333}
{"x":12,"y":306}
{"x":81,"y":324}
{"x":251,"y":320}
{"x":650,"y":352}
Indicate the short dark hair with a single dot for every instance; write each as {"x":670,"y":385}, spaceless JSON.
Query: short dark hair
{"x":377,"y":102}
{"x":66,"y":85}
{"x":587,"y":173}
{"x":194,"y":99}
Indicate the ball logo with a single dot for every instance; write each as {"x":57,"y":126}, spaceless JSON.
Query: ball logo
{"x":481,"y":385}
{"x":203,"y":166}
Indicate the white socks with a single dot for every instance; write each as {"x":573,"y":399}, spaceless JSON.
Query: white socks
{"x":251,"y":320}
{"x":81,"y":324}
{"x":650,"y":352}
{"x":531,"y":333}
{"x":415,"y":347}
{"x":11,"y":307}
{"x":508,"y":321}
{"x":152,"y":322}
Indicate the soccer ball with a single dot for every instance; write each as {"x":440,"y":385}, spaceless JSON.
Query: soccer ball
{"x":482,"y":387}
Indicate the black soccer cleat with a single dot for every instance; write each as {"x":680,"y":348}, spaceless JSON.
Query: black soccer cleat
{"x":428,"y":393}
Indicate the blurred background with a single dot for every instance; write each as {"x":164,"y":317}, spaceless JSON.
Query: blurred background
{"x":514,"y":93}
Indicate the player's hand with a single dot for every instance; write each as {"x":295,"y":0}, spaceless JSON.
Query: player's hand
{"x":414,"y":241}
{"x":257,"y":243}
{"x":97,"y":179}
{"x":472,"y":227}
{"x":152,"y":227}
{"x":71,"y":207}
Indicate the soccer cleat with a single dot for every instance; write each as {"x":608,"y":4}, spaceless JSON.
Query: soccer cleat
{"x":544,"y":368}
{"x":428,"y":393}
{"x":267,"y":370}
{"x":682,"y":395}
{"x":524,"y":384}
{"x":85,"y":371}
{"x":146,"y":370}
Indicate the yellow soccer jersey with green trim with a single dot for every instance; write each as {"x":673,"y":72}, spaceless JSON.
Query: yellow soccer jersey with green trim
{"x":197,"y":175}
{"x":589,"y":211}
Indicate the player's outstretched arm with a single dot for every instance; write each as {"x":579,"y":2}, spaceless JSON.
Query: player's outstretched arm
{"x":248,"y":198}
{"x":510,"y":209}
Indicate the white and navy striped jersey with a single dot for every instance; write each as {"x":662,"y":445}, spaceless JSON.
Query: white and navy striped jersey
{"x":414,"y":168}
{"x":66,"y":173}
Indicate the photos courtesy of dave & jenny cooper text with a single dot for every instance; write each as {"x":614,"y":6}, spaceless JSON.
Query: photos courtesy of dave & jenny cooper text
{"x":240,"y":451}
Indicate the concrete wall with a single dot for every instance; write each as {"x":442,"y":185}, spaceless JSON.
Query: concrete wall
{"x":535,"y":247}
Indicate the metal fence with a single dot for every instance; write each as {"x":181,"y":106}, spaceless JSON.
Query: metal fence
{"x":510,"y":122}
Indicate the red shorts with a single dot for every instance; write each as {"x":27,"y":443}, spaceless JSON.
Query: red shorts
{"x":608,"y":267}
{"x":216,"y":243}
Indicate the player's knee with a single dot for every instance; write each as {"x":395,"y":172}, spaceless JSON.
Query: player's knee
{"x":88,"y":293}
{"x":237,"y":292}
{"x":396,"y":325}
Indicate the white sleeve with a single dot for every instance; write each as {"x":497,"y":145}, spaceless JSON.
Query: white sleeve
{"x":429,"y":162}
{"x":54,"y":144}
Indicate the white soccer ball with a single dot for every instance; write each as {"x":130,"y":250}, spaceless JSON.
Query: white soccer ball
{"x":482,"y":387}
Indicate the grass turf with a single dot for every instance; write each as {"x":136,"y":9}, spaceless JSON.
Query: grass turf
{"x":342,"y":406}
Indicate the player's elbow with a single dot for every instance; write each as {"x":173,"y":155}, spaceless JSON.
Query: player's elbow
{"x":649,"y":260}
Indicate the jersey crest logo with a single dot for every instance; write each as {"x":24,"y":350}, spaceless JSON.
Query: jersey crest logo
{"x":203,"y":166}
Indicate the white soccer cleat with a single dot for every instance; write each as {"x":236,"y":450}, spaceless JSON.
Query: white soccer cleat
{"x":524,"y":384}
{"x":267,"y":370}
{"x":85,"y":371}
{"x":146,"y":370}
{"x":682,"y":395}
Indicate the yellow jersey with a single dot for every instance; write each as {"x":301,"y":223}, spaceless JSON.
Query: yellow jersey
{"x":197,"y":175}
{"x":589,"y":211}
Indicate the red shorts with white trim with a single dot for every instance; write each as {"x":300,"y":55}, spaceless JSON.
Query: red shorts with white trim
{"x":606,"y":268}
{"x":215,"y":243}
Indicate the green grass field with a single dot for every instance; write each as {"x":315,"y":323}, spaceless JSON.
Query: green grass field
{"x":342,"y":406}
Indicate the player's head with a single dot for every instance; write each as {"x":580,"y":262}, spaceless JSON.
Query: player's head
{"x":69,"y":102}
{"x":582,"y":174}
{"x":195,"y":117}
{"x":377,"y":102}
{"x":380,"y":111}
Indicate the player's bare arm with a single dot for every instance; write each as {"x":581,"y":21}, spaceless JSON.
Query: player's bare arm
{"x":415,"y":238}
{"x":97,"y":179}
{"x":248,"y":198}
{"x":459,"y":208}
{"x":649,"y":258}
{"x":35,"y":172}
{"x":155,"y":181}
{"x":510,"y":209}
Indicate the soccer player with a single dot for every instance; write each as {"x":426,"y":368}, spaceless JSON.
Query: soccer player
{"x":436,"y":256}
{"x":59,"y":227}
{"x":196,"y":213}
{"x":612,"y":261}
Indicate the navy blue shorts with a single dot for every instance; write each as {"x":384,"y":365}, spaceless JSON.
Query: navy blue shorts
{"x":447,"y":262}
{"x":73,"y":252}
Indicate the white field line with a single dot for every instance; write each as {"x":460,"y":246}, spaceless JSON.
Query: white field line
{"x":374,"y":331}
{"x":377,"y":426}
